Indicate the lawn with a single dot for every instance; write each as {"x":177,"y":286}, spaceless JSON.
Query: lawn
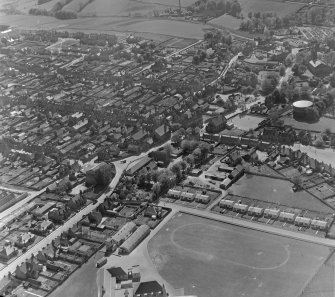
{"x":246,"y":122}
{"x":210,"y":258}
{"x":319,"y":126}
{"x":276,"y":191}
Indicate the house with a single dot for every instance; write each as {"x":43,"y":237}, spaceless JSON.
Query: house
{"x":162,"y":133}
{"x":29,"y":269}
{"x":240,"y":207}
{"x":150,"y":289}
{"x":174,"y":194}
{"x":40,"y":211}
{"x":204,"y":199}
{"x":226,"y":203}
{"x":24,"y":240}
{"x":287,"y":216}
{"x":255,"y":211}
{"x":7,"y":252}
{"x":186,"y":196}
{"x":302,"y":221}
{"x":319,"y":224}
{"x":227,"y":182}
{"x":271,"y":213}
{"x":153,"y":212}
{"x":216,"y":124}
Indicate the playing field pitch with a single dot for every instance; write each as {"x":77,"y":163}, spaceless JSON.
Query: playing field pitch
{"x":209,"y":259}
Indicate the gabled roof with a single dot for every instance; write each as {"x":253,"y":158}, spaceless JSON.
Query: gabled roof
{"x":149,"y":287}
{"x":116,"y":272}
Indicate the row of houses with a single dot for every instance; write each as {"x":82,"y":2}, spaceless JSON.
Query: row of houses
{"x":187,"y":196}
{"x":275,"y":214}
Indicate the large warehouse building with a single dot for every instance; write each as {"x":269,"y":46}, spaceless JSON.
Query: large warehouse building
{"x":141,"y":232}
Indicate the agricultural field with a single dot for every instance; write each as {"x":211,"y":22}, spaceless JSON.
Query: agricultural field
{"x":281,"y":8}
{"x":237,"y":262}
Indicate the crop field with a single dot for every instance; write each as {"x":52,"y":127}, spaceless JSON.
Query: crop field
{"x":210,"y":258}
{"x":281,"y":8}
{"x":276,"y":191}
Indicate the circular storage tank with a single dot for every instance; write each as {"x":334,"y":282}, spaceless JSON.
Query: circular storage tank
{"x":300,"y":107}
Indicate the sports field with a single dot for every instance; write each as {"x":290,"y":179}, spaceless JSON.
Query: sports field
{"x":209,"y":259}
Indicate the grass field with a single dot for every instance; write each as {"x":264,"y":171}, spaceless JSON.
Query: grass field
{"x":210,"y":258}
{"x":276,"y":191}
{"x":246,"y":122}
{"x":82,"y":283}
{"x":319,"y":126}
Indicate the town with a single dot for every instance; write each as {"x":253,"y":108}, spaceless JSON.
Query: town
{"x":137,"y":166}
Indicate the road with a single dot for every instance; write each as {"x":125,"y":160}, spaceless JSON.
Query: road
{"x":120,"y":167}
{"x":225,"y":70}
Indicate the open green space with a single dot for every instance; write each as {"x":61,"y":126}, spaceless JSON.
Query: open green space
{"x":82,"y":283}
{"x":276,"y":191}
{"x":246,"y":122}
{"x":210,"y":258}
{"x":319,"y":126}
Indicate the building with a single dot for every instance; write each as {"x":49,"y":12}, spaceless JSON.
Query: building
{"x":300,"y":109}
{"x":302,"y":221}
{"x":287,"y":216}
{"x":40,"y":211}
{"x":200,"y":198}
{"x":7,"y":252}
{"x":145,"y":162}
{"x":23,"y":240}
{"x":174,"y":194}
{"x":150,"y":289}
{"x":129,"y":245}
{"x":227,"y":182}
{"x":236,"y":173}
{"x":162,"y":133}
{"x":271,"y":213}
{"x":255,"y":211}
{"x":240,"y":207}
{"x":121,"y":235}
{"x":186,"y":196}
{"x":118,"y":273}
{"x":216,"y":124}
{"x":226,"y":203}
{"x":320,"y":224}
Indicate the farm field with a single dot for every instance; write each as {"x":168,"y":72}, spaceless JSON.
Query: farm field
{"x":280,"y":8}
{"x":276,"y":191}
{"x":210,"y":258}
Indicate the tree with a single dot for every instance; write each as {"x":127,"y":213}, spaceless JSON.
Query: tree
{"x":269,"y":83}
{"x":176,"y":169}
{"x":282,"y":70}
{"x":189,"y":160}
{"x":156,"y":188}
{"x":168,"y":150}
{"x":332,"y":80}
{"x":250,"y":15}
{"x":106,"y":173}
{"x":289,"y":60}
